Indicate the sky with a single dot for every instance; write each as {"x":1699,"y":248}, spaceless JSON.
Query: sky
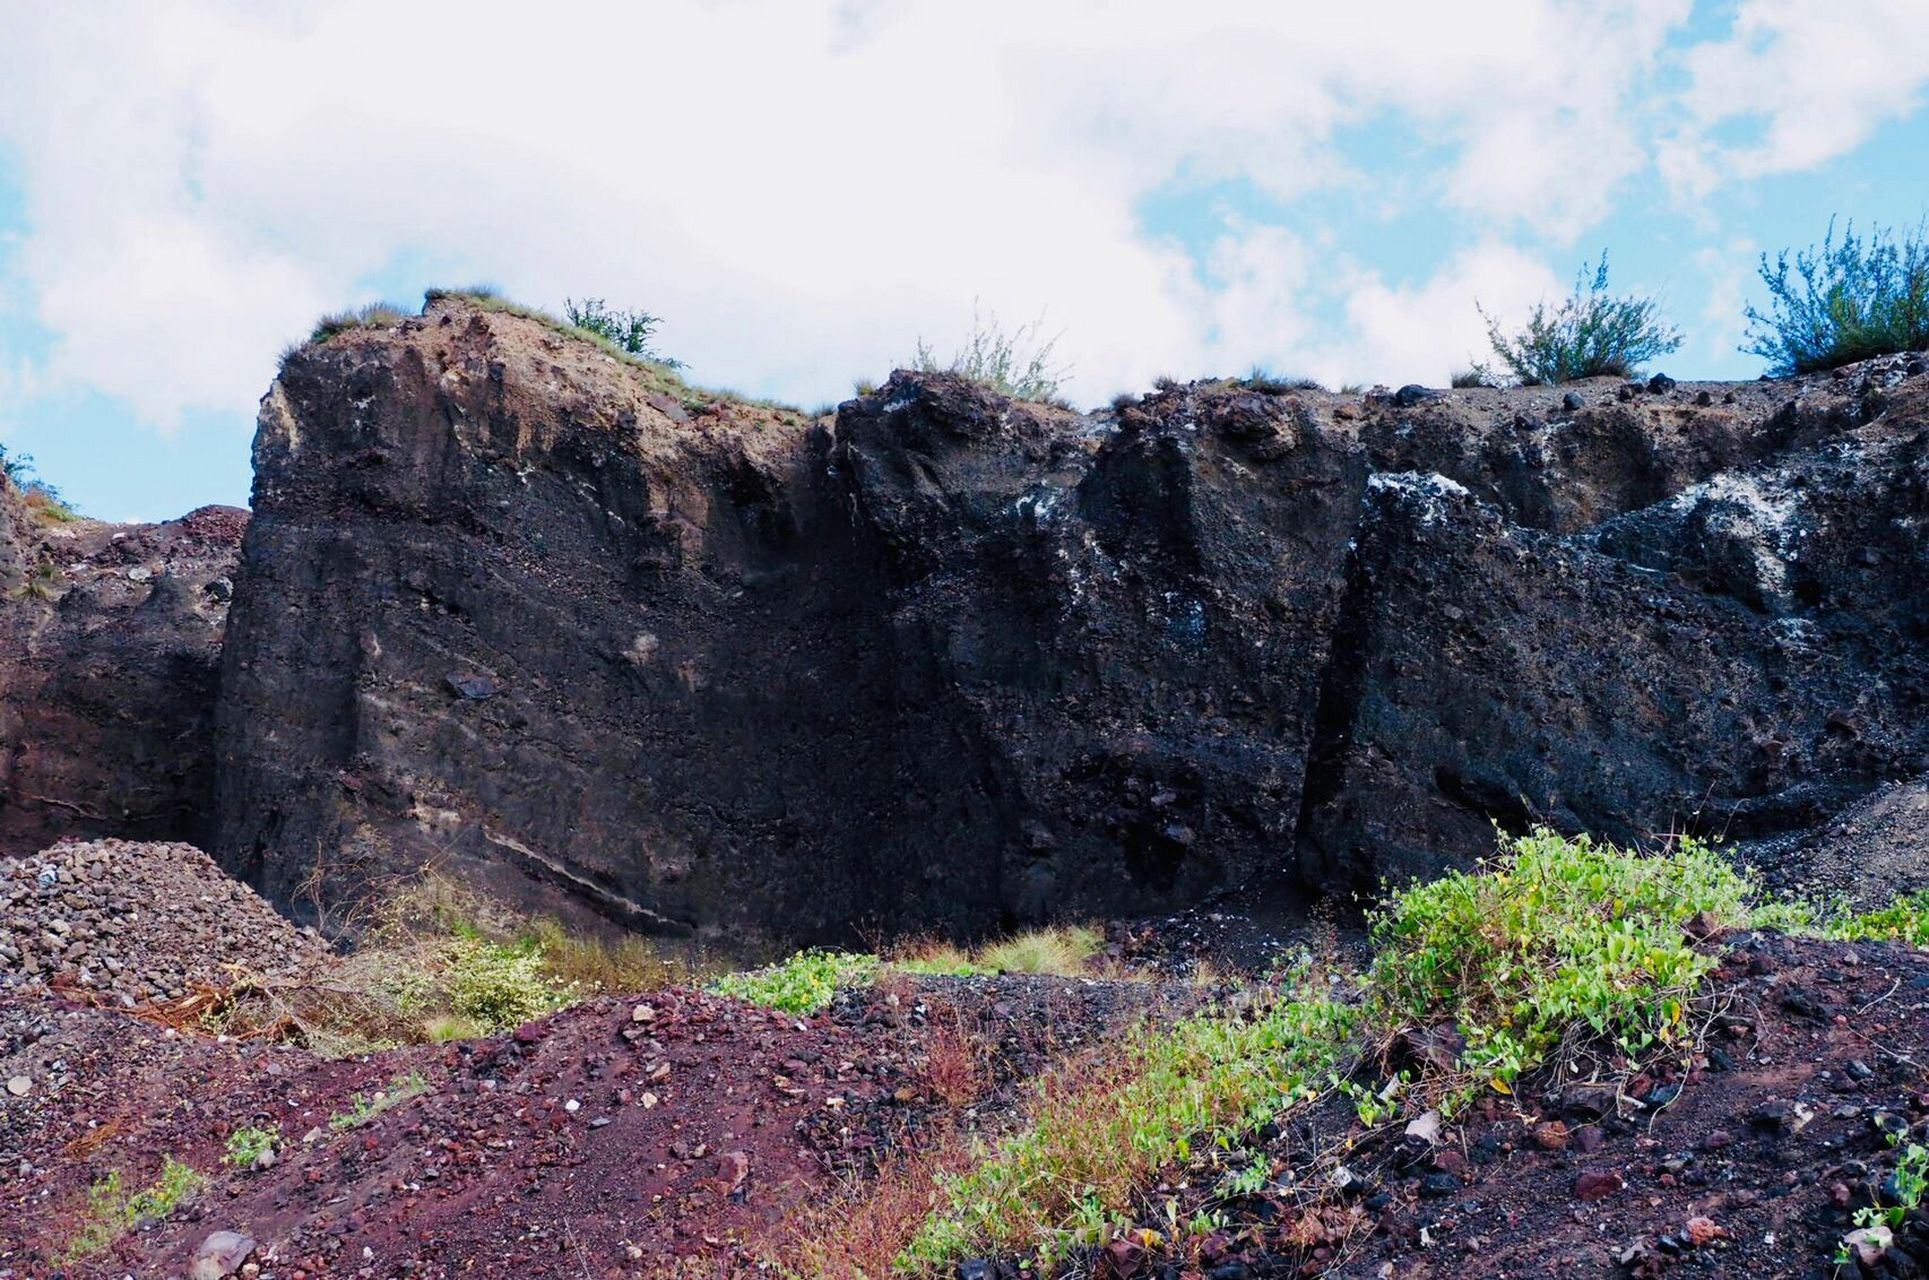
{"x":804,"y":189}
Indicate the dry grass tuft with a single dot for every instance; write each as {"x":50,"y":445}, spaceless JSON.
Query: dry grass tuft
{"x":1063,"y":950}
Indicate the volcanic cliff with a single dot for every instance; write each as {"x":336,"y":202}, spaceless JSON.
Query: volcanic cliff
{"x":955,"y":661}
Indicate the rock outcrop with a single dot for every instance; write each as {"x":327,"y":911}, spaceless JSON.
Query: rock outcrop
{"x":956,"y":661}
{"x":110,"y":647}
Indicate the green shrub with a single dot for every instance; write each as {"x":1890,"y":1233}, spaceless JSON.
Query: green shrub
{"x":1015,"y":364}
{"x":802,"y":984}
{"x":1904,"y":920}
{"x":629,"y":330}
{"x":1591,"y":333}
{"x":112,"y":1212}
{"x":1841,"y":301}
{"x":498,"y":985}
{"x":1557,"y":938}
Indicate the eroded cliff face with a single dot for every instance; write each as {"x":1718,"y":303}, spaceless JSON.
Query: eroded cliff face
{"x":959,"y":662}
{"x":110,"y":644}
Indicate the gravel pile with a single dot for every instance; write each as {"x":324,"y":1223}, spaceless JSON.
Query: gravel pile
{"x":137,"y":921}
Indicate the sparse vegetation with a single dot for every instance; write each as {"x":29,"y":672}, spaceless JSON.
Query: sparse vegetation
{"x":628,"y":329}
{"x":434,"y":960}
{"x":376,"y":315}
{"x":1559,"y":949}
{"x":1264,"y":379}
{"x":362,"y":1109}
{"x":802,"y":984}
{"x":1590,"y":334}
{"x":112,"y":1211}
{"x":247,"y":1145}
{"x":1101,"y":1129}
{"x":1843,"y":300}
{"x":43,"y":499}
{"x":1465,"y":379}
{"x":1017,"y":363}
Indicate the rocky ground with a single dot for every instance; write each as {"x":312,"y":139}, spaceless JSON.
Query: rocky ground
{"x":679,"y":1133}
{"x":122,"y":922}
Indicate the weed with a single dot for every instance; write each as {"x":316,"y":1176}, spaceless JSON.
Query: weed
{"x":1911,"y":1184}
{"x":362,"y":1109}
{"x":1841,"y":301}
{"x":112,"y":1212}
{"x":1589,"y":334}
{"x":1016,"y":364}
{"x":1466,"y":379}
{"x":248,"y":1144}
{"x":953,"y":1063}
{"x":802,"y":984}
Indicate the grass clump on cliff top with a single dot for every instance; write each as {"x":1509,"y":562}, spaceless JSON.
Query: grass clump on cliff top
{"x":1843,"y":300}
{"x":1591,"y":333}
{"x":1015,"y":363}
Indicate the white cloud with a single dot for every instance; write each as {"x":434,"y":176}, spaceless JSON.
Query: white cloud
{"x":800,"y":188}
{"x":1807,"y":81}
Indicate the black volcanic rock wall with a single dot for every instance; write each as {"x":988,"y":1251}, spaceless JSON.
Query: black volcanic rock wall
{"x":959,"y":662}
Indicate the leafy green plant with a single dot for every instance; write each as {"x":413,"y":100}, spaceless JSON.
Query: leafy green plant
{"x":248,"y":1144}
{"x":1591,"y":333}
{"x":1843,"y":300}
{"x":112,"y":1211}
{"x":1016,"y":363}
{"x":499,"y":985}
{"x":1556,"y":939}
{"x":1904,"y":920}
{"x":1912,"y":1183}
{"x":802,"y":984}
{"x":630,"y":330}
{"x":1556,"y":944}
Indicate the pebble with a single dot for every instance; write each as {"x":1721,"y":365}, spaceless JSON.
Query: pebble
{"x":19,"y":1086}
